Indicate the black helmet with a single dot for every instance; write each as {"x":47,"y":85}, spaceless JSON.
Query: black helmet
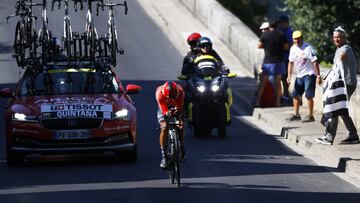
{"x":204,"y":41}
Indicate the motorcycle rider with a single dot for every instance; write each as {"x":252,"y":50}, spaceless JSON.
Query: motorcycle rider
{"x":191,"y":55}
{"x":169,"y":95}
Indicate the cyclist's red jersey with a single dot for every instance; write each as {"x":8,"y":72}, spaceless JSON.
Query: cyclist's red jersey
{"x":164,"y":103}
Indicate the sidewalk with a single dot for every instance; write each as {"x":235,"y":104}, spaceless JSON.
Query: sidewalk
{"x":301,"y":138}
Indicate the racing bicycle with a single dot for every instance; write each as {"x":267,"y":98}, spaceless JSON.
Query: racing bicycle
{"x":174,"y":152}
{"x":91,"y":36}
{"x":67,"y":35}
{"x":112,"y":32}
{"x":25,"y":33}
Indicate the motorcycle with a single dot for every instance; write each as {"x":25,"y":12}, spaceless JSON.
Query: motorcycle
{"x":208,"y":101}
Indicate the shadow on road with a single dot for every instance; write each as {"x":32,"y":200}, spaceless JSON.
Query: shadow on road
{"x":247,"y":165}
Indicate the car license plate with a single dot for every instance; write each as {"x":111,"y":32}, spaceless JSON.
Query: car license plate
{"x":72,"y":134}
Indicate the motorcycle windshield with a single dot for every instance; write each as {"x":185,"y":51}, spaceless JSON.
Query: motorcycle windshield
{"x":207,"y":72}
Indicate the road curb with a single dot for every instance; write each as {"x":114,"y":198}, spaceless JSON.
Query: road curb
{"x":301,"y":137}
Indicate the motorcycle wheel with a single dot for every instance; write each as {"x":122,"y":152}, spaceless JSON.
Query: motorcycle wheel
{"x":222,"y":123}
{"x":222,"y":131}
{"x":197,"y":123}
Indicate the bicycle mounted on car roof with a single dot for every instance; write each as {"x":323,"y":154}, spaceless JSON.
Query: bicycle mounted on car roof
{"x":85,"y":47}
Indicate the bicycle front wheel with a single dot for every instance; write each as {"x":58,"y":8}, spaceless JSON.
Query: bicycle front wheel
{"x":176,"y":158}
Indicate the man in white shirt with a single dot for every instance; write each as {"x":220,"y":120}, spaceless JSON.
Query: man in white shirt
{"x":303,"y":58}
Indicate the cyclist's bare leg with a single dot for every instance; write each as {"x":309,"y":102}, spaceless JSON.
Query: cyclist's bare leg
{"x":163,"y":134}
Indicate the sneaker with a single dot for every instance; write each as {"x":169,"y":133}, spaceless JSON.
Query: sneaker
{"x":324,"y":141}
{"x":350,"y":141}
{"x":308,"y":119}
{"x":163,"y":163}
{"x":294,"y":117}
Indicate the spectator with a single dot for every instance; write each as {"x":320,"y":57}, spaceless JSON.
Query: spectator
{"x":287,"y":30}
{"x":265,"y":26}
{"x":274,"y":43}
{"x":303,"y":58}
{"x":343,"y":71}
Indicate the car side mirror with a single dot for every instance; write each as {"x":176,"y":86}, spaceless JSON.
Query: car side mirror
{"x":133,"y":89}
{"x":6,"y":92}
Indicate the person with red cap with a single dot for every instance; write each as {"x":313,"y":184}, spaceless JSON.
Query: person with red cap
{"x":191,"y":55}
{"x":169,"y":96}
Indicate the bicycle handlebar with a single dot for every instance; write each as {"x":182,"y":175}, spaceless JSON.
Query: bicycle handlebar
{"x":26,"y":7}
{"x":111,"y":6}
{"x":53,"y":4}
{"x":88,"y":2}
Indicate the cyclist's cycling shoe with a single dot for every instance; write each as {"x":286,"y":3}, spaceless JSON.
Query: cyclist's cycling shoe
{"x":163,"y":163}
{"x":182,"y":158}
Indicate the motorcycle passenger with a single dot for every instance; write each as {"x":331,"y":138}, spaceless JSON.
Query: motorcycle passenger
{"x":169,"y":95}
{"x":205,"y":48}
{"x":188,"y":64}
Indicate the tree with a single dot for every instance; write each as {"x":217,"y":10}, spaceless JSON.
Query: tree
{"x":318,"y":18}
{"x":250,"y":12}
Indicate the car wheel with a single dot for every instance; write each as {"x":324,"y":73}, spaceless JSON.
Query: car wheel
{"x":129,"y":156}
{"x":222,"y":131}
{"x":14,"y":159}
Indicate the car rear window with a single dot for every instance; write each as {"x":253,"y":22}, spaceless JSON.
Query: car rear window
{"x":68,"y":81}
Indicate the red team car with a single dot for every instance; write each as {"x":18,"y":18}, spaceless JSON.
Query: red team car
{"x":62,"y":109}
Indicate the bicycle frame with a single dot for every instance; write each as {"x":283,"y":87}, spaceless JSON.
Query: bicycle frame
{"x":90,"y":30}
{"x":112,"y":34}
{"x":67,"y":31}
{"x":44,"y":33}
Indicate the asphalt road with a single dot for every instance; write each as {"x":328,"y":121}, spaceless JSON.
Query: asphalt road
{"x":248,"y":166}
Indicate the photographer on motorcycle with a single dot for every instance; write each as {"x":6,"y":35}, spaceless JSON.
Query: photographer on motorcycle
{"x":169,"y":95}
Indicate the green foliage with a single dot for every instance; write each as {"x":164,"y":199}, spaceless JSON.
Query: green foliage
{"x":326,"y":64}
{"x":250,"y":12}
{"x":318,"y":18}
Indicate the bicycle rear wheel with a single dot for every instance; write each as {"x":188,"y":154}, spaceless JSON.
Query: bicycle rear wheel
{"x":46,"y":46}
{"x":67,"y":38}
{"x":31,"y":39}
{"x":19,"y":45}
{"x":92,"y":38}
{"x":113,"y":45}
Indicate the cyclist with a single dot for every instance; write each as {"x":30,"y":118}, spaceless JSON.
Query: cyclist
{"x":169,"y":96}
{"x":190,"y":56}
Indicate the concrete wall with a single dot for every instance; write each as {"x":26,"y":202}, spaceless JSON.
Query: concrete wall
{"x":243,"y":43}
{"x":229,"y":29}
